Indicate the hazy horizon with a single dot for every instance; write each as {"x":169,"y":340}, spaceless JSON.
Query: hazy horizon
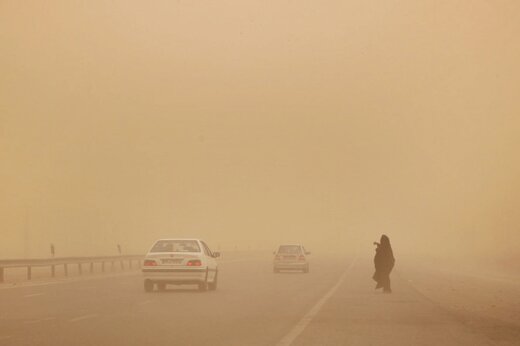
{"x":249,"y":124}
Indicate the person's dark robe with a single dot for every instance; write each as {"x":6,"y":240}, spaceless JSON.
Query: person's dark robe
{"x":384,"y":263}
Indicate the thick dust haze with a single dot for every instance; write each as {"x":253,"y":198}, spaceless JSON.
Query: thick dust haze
{"x":250,"y":123}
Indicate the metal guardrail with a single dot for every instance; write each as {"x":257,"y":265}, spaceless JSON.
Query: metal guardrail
{"x":65,"y":262}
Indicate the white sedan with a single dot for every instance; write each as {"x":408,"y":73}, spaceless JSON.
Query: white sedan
{"x":180,"y":262}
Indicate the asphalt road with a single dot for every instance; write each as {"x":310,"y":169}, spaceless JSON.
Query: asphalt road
{"x":334,"y":304}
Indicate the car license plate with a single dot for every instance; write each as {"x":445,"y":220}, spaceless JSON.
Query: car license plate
{"x":171,"y":260}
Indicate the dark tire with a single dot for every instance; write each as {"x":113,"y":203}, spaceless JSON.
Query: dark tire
{"x":212,"y":286}
{"x":203,"y":286}
{"x":161,"y":286}
{"x":148,"y":286}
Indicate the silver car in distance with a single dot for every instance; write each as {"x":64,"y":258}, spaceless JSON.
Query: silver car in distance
{"x":180,"y":262}
{"x":291,"y":257}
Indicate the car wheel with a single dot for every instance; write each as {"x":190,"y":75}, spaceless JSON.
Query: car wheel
{"x":161,"y":286}
{"x":203,"y":286}
{"x":148,"y":286}
{"x":213,"y":285}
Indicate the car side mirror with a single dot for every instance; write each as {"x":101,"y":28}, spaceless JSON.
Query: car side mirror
{"x":216,"y":254}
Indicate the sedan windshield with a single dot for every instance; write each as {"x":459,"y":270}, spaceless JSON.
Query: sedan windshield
{"x":176,"y":246}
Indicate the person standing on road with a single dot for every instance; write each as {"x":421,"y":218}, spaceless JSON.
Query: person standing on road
{"x":384,"y":262}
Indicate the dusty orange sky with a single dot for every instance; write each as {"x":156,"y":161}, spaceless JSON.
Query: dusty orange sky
{"x":250,"y":123}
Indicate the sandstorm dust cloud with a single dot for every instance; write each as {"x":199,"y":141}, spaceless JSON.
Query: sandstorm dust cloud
{"x":249,"y":124}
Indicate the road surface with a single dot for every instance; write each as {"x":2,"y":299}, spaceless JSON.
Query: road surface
{"x":335,"y":304}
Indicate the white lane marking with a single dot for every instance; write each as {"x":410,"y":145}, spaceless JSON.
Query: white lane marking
{"x":33,"y":295}
{"x":84,"y":317}
{"x":307,"y":318}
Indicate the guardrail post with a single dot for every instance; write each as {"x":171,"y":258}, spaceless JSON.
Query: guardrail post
{"x":65,"y":269}
{"x":91,"y":267}
{"x":29,"y":272}
{"x":53,"y":270}
{"x":113,"y":266}
{"x":103,"y":266}
{"x":122,"y":265}
{"x":80,"y":269}
{"x":1,"y":274}
{"x":130,"y":263}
